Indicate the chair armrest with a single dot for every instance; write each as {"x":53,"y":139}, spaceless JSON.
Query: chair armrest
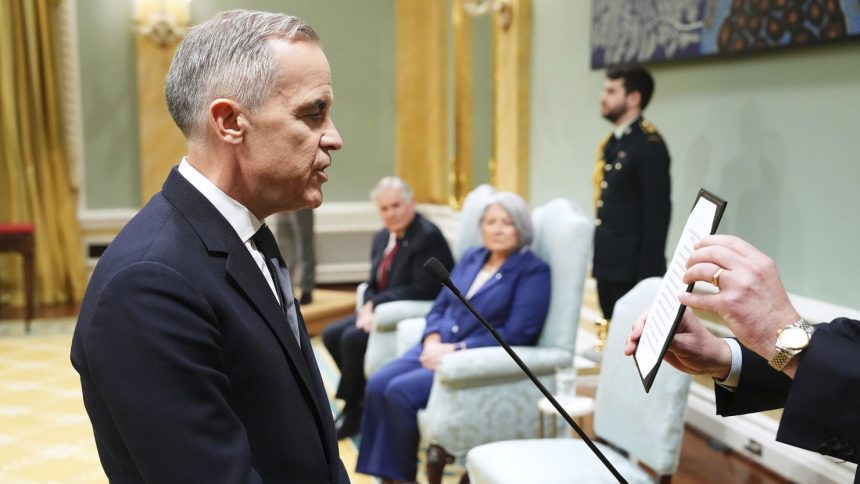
{"x":409,"y":333}
{"x":491,"y":365}
{"x":387,"y":315}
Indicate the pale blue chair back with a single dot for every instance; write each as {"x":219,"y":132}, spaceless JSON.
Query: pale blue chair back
{"x":469,"y":234}
{"x":562,"y":239}
{"x":649,"y":426}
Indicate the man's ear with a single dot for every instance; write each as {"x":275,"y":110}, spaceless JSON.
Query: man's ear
{"x":634,"y":99}
{"x":225,"y":117}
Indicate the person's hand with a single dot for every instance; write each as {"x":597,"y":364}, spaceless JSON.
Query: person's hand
{"x":693,"y":350}
{"x":751,"y":297}
{"x":364,"y":320}
{"x":433,"y":352}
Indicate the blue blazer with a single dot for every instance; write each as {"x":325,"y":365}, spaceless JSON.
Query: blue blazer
{"x":515,"y":301}
{"x":189,"y":370}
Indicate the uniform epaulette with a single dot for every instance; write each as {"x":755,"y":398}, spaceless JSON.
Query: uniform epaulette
{"x":648,"y":126}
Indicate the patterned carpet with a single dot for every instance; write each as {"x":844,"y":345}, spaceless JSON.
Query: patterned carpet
{"x":45,"y":435}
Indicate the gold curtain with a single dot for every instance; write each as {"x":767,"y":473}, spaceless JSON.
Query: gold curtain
{"x":34,"y":170}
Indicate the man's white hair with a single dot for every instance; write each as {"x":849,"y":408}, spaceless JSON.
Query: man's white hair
{"x":389,"y":182}
{"x":227,"y":57}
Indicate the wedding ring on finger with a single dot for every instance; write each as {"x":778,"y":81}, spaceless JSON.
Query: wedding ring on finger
{"x":715,"y":280}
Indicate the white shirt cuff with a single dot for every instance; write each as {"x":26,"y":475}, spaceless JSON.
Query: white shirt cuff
{"x":731,"y":381}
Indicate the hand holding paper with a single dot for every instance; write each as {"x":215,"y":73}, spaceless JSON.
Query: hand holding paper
{"x":666,"y":310}
{"x":693,"y":350}
{"x":751,"y":299}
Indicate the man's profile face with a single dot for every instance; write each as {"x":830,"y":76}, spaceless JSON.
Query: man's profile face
{"x":613,"y":100}
{"x":288,"y":141}
{"x":395,"y":211}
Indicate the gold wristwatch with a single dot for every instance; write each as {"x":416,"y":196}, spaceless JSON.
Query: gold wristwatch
{"x":790,"y":341}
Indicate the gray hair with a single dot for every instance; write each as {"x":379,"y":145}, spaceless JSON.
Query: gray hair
{"x":226,"y":57}
{"x":518,"y":210}
{"x":389,"y":182}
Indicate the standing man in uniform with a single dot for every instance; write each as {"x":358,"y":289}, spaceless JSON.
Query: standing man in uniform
{"x":195,"y":363}
{"x":632,"y":190}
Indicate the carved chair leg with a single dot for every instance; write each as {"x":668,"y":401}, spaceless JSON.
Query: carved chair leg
{"x":437,"y":459}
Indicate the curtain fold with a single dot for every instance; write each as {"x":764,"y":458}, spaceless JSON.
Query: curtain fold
{"x":35,"y":183}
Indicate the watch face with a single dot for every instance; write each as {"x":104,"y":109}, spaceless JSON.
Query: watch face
{"x":793,"y":338}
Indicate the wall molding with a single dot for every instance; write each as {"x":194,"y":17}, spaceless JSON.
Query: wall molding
{"x":343,"y":233}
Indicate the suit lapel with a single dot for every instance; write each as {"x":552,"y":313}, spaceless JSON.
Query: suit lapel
{"x":220,"y":238}
{"x":249,"y":279}
{"x":507,"y":269}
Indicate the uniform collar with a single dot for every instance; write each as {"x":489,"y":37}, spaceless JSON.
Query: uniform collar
{"x":620,"y":131}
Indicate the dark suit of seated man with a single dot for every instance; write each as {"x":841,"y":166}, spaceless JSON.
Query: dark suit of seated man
{"x":195,"y":364}
{"x":397,"y":255}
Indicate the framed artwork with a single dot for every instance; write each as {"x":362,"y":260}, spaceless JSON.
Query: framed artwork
{"x":628,"y":31}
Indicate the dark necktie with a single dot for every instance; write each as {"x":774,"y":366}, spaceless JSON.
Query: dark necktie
{"x":385,"y":265}
{"x":265,"y":242}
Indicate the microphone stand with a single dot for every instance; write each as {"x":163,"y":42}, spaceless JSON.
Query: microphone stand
{"x":450,"y":285}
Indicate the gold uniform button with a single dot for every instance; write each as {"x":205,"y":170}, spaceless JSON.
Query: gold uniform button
{"x":603,"y":184}
{"x":618,"y":165}
{"x":598,"y":222}
{"x":599,"y":203}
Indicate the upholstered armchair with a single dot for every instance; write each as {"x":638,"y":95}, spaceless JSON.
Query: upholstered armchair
{"x":382,"y":346}
{"x":480,"y":395}
{"x":649,"y":427}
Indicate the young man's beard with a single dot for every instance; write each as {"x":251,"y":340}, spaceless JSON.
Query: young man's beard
{"x":614,"y":114}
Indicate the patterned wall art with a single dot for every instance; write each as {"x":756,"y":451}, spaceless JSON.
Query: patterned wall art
{"x":627,"y":31}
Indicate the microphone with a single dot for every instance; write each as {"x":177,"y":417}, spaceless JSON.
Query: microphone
{"x":442,"y":276}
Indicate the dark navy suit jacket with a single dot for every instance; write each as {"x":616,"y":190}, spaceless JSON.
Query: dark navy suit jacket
{"x":407,"y":279}
{"x":189,"y":369}
{"x":515,"y":301}
{"x":821,"y":405}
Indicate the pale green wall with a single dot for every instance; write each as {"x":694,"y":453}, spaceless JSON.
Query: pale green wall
{"x":359,"y":40}
{"x":482,"y":77}
{"x":776,"y":135}
{"x":109,"y":104}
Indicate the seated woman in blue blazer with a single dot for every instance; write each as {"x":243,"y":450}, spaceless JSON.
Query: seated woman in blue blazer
{"x":507,"y":284}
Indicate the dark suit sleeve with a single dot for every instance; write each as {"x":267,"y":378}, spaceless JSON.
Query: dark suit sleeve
{"x":822,"y":411}
{"x":821,"y":403}
{"x":420,"y":286}
{"x":174,"y":415}
{"x":760,"y":388}
{"x":655,"y":184}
